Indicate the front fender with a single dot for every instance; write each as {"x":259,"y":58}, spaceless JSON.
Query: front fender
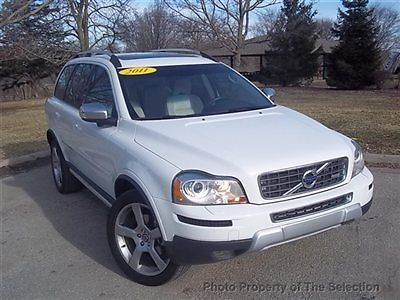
{"x":138,"y":184}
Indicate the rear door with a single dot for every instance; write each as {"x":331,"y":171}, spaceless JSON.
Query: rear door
{"x":59,"y":110}
{"x":69,"y":120}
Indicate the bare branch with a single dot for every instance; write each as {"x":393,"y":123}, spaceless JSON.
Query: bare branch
{"x":389,"y":30}
{"x":228,"y":20}
{"x":22,"y":13}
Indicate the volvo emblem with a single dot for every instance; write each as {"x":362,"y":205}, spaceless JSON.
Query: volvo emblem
{"x":309,"y":178}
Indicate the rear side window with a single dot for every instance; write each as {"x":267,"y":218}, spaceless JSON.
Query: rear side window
{"x":79,"y":84}
{"x":62,"y":82}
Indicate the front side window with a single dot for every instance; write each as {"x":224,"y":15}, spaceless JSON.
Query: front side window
{"x":99,"y":90}
{"x":188,"y":90}
{"x":78,"y":84}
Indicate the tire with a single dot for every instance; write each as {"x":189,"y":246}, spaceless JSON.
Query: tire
{"x":137,"y":246}
{"x":64,"y":180}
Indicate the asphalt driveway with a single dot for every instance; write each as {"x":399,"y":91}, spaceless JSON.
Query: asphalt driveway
{"x":54,"y":247}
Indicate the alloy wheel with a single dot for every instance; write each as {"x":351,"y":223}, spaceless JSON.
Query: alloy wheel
{"x":56,"y":165}
{"x":139,"y":240}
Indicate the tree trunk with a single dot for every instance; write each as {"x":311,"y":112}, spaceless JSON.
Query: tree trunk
{"x":237,"y":60}
{"x":82,"y":24}
{"x":85,"y":26}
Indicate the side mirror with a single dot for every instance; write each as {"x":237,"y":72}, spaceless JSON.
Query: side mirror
{"x":93,"y":112}
{"x":269,"y":92}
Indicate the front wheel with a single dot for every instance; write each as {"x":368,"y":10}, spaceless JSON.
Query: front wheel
{"x":136,"y":242}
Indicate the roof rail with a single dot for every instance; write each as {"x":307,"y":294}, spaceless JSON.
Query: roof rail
{"x":113,"y":58}
{"x":185,"y":51}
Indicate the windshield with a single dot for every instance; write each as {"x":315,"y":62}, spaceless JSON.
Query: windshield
{"x":187,"y":90}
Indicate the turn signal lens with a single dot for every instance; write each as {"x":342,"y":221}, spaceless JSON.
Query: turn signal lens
{"x":176,"y":191}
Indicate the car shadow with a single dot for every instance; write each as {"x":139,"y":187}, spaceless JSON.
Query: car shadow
{"x":80,"y":218}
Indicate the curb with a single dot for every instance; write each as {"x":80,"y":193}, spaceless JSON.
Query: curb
{"x":369,"y":158}
{"x":382,"y":158}
{"x":24,"y":158}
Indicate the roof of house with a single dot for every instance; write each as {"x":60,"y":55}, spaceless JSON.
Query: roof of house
{"x":392,"y":61}
{"x":260,"y":44}
{"x":325,"y":46}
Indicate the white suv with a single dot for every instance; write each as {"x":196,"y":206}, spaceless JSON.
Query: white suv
{"x":197,"y":164}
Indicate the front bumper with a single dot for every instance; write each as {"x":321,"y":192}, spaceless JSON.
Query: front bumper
{"x":267,"y":238}
{"x":252,"y":228}
{"x":184,"y":251}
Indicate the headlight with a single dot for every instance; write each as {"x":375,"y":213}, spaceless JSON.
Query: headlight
{"x":358,"y":159}
{"x":197,"y":188}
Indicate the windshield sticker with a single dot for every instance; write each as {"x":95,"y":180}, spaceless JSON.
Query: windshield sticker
{"x":137,"y":71}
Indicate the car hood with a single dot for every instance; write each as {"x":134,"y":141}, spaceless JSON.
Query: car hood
{"x":250,"y":142}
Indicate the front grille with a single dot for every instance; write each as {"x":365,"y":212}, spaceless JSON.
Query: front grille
{"x":289,"y":182}
{"x":310,"y":209}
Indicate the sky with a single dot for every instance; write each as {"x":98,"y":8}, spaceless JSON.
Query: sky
{"x":329,"y":8}
{"x":325,"y":8}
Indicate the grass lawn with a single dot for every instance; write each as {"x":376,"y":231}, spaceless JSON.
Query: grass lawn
{"x":371,"y":117}
{"x":23,"y":128}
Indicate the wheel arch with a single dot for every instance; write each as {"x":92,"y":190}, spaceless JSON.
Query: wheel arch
{"x":125,"y":182}
{"x":51,"y":136}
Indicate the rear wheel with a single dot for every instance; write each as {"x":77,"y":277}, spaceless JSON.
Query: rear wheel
{"x":64,"y":180}
{"x":136,"y":242}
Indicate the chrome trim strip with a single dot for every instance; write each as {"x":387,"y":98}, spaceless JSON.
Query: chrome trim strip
{"x":344,"y":199}
{"x":289,"y":192}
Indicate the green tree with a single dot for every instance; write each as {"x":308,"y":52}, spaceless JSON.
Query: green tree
{"x":31,"y":48}
{"x":354,"y":62}
{"x":293,"y":37}
{"x":39,"y":36}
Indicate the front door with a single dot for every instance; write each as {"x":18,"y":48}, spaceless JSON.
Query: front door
{"x":91,"y":148}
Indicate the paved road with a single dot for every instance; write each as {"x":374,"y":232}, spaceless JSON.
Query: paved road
{"x":54,"y":247}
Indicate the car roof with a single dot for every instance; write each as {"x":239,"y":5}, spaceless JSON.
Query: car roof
{"x":152,"y":58}
{"x":160,"y":59}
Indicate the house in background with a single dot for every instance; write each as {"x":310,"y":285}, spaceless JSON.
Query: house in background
{"x":256,"y":49}
{"x":253,"y":58}
{"x":392,"y":62}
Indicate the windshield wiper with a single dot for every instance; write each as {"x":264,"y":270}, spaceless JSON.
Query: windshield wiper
{"x":239,"y":109}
